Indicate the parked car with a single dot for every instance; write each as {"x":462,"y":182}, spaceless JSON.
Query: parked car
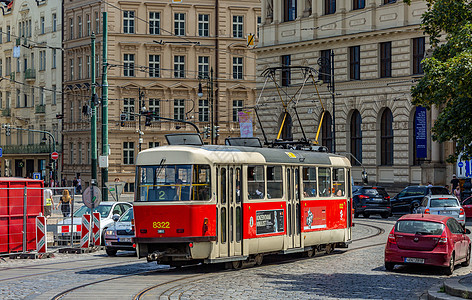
{"x":467,"y":206}
{"x":371,"y":200}
{"x":435,"y":240}
{"x":106,"y":210}
{"x":119,"y":236}
{"x":410,"y":198}
{"x":446,"y":205}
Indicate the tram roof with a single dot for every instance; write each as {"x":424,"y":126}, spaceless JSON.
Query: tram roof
{"x":213,"y":154}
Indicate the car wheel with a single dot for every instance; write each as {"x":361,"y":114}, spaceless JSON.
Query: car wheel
{"x":467,"y":259}
{"x":385,"y":216}
{"x":414,"y":207}
{"x":450,"y":269}
{"x":389,"y":266}
{"x":356,"y":215}
{"x":111,"y":252}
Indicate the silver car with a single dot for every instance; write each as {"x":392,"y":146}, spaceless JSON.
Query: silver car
{"x":119,"y":236}
{"x":446,"y":205}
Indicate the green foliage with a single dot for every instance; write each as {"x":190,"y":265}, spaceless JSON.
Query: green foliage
{"x":447,"y":81}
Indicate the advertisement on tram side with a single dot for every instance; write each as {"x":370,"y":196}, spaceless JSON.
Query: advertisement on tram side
{"x":324,"y":214}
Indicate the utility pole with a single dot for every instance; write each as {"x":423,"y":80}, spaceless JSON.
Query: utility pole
{"x":212,"y":108}
{"x":140,"y":106}
{"x":105,"y":150}
{"x":333,"y":95}
{"x":94,"y":116}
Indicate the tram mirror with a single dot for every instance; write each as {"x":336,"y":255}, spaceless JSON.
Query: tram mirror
{"x":184,"y":139}
{"x":365,"y":178}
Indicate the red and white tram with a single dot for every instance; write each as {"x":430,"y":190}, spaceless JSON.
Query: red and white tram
{"x":215,"y":203}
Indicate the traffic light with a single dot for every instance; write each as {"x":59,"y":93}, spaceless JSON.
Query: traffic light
{"x":148,"y":119}
{"x":7,"y":130}
{"x":206,"y":131}
{"x":123,"y":118}
{"x":95,"y":99}
{"x":216,"y":130}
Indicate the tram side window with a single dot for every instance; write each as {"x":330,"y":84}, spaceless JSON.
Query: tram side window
{"x":324,"y":179}
{"x":201,"y":182}
{"x":309,"y":182}
{"x":255,"y":182}
{"x":274,"y":182}
{"x":339,"y":182}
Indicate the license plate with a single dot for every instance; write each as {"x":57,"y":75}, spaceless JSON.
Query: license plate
{"x":124,"y":240}
{"x":414,"y":260}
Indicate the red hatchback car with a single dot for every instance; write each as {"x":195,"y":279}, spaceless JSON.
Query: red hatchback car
{"x":429,"y":240}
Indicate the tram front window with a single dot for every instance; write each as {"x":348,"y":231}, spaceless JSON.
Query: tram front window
{"x":174,"y":183}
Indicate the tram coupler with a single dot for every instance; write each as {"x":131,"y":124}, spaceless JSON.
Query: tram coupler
{"x":155,"y":256}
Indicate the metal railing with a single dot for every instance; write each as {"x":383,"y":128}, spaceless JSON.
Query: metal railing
{"x":6,"y":112}
{"x":40,"y":109}
{"x":30,"y":74}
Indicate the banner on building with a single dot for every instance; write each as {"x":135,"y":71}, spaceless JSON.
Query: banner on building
{"x":245,"y":123}
{"x":421,"y":132}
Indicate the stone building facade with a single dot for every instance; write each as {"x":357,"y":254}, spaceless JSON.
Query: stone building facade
{"x":158,"y":55}
{"x":378,"y":46}
{"x":30,"y":86}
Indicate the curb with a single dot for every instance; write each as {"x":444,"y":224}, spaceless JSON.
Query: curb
{"x":435,"y":294}
{"x":455,"y":288}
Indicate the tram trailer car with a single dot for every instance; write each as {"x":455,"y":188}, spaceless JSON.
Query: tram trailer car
{"x":231,"y":204}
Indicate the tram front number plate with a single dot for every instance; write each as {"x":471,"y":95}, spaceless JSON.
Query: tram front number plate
{"x":414,"y":260}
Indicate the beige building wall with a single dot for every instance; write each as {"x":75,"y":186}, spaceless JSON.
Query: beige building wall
{"x":30,"y":89}
{"x":131,"y":72}
{"x":314,"y":30}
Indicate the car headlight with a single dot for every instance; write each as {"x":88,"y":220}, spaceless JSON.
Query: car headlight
{"x":110,"y":232}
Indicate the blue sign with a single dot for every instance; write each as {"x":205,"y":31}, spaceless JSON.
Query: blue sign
{"x":421,"y":132}
{"x":37,"y":176}
{"x":1,"y":152}
{"x":460,"y":164}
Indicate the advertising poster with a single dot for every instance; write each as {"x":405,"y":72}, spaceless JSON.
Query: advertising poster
{"x":314,"y":218}
{"x":245,"y":123}
{"x":269,"y":221}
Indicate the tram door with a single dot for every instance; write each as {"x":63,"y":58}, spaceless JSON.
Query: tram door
{"x":230,"y":211}
{"x":293,"y":207}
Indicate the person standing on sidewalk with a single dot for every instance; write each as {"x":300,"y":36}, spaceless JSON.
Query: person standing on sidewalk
{"x":48,"y":202}
{"x":79,"y":185}
{"x":65,"y":203}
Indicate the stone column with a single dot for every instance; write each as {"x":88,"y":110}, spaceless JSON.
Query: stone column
{"x":276,"y":11}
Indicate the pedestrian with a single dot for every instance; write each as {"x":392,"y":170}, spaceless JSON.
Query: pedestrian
{"x":48,"y":202}
{"x":430,"y":184}
{"x":454,"y":182}
{"x":65,"y":203}
{"x":64,"y":181}
{"x":457,"y":193}
{"x":447,"y":188}
{"x":79,"y":185}
{"x":117,"y":179}
{"x":74,"y":183}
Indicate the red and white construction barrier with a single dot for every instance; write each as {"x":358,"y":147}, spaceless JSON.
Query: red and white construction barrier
{"x":41,"y":245}
{"x":67,"y":228}
{"x":96,"y":229}
{"x":85,"y":236}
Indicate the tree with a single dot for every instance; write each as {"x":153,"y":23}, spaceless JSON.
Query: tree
{"x":447,"y":81}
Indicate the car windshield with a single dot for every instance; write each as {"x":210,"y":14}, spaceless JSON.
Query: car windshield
{"x":127,"y":216}
{"x":444,"y":202}
{"x":416,"y":191}
{"x":439,"y":190}
{"x":104,"y":210}
{"x":419,"y":227}
{"x":375,"y":192}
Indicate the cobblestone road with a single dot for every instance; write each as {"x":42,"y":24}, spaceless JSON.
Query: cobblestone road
{"x":354,"y":274}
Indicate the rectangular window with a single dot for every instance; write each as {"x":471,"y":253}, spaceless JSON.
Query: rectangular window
{"x":386,"y":59}
{"x":54,"y":95}
{"x":274,"y":182}
{"x":203,"y":25}
{"x":389,"y":1}
{"x":32,"y":98}
{"x":309,"y":182}
{"x":79,"y":154}
{"x":79,"y":69}
{"x":41,"y":22}
{"x":339,"y":182}
{"x":71,"y":153}
{"x":8,"y":100}
{"x":286,"y":73}
{"x":358,"y":4}
{"x":237,"y":107}
{"x":1,"y":100}
{"x":128,"y":107}
{"x":41,"y":96}
{"x":71,"y":65}
{"x":71,"y":28}
{"x":1,"y":67}
{"x":79,"y":27}
{"x":30,"y":135}
{"x":255,"y":182}
{"x":97,"y":23}
{"x":237,"y":68}
{"x":89,"y":25}
{"x":154,"y":65}
{"x":128,"y":21}
{"x":418,"y":54}
{"x":1,"y":35}
{"x":203,"y":66}
{"x":179,"y":66}
{"x":18,"y":98}
{"x":330,"y":7}
{"x":128,"y":68}
{"x":153,"y":144}
{"x":154,"y":106}
{"x":128,"y":153}
{"x":203,"y":110}
{"x":324,"y":179}
{"x":88,"y":69}
{"x":290,"y":10}
{"x":238,"y":23}
{"x":179,"y":109}
{"x":8,"y":33}
{"x":325,"y":68}
{"x":355,"y":63}
{"x":54,"y":58}
{"x":179,"y":24}
{"x":154,"y":22}
{"x":89,"y":156}
{"x":259,"y":24}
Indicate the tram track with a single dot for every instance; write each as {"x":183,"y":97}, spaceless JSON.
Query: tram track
{"x":176,"y":287}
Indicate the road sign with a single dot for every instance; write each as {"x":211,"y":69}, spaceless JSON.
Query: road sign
{"x":1,"y":152}
{"x":37,"y":176}
{"x":115,"y":188}
{"x":87,"y":197}
{"x":54,"y":155}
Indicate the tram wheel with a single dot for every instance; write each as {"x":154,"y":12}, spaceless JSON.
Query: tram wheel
{"x":329,"y":248}
{"x":258,"y":259}
{"x":237,"y":264}
{"x":310,"y":253}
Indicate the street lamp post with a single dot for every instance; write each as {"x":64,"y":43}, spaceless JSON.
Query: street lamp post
{"x":210,"y":99}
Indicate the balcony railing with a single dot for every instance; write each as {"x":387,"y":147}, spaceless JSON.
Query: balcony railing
{"x":32,"y":149}
{"x":6,"y":112}
{"x":30,"y":74}
{"x":40,"y":109}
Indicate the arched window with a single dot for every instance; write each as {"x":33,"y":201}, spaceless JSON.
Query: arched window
{"x":356,"y":138}
{"x":287,"y":129}
{"x":326,"y":133}
{"x":386,"y":138}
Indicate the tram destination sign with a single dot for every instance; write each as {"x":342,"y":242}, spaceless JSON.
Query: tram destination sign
{"x":269,"y":221}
